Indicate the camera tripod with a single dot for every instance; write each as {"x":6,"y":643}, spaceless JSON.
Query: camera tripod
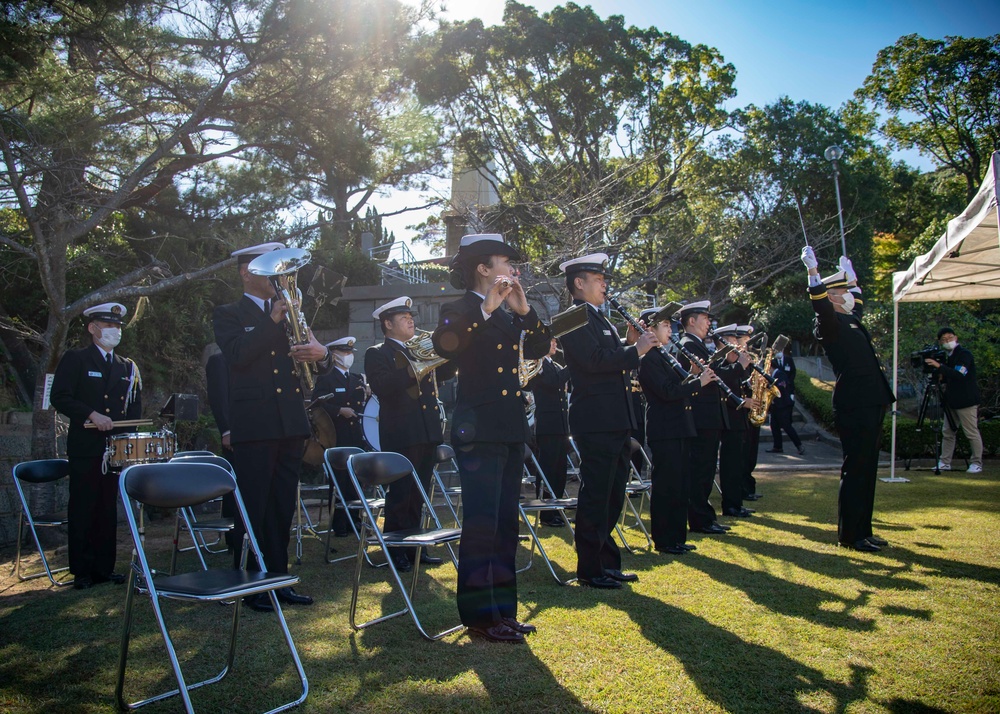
{"x":932,"y":392}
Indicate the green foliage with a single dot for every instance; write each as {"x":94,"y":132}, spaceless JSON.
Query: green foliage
{"x":817,"y":397}
{"x":923,"y":444}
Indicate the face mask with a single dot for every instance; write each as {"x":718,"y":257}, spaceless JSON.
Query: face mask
{"x":848,"y":302}
{"x":345,"y":361}
{"x":110,"y":337}
{"x":950,"y":346}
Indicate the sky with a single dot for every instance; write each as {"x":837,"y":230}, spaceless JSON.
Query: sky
{"x":814,"y":51}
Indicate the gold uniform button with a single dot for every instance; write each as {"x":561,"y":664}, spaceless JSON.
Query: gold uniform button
{"x":475,"y":324}
{"x":278,"y":390}
{"x":514,"y":370}
{"x":499,"y":347}
{"x":109,"y":409}
{"x":105,"y":396}
{"x":517,"y":394}
{"x":504,"y":392}
{"x":469,"y":329}
{"x":275,"y":371}
{"x":500,"y":370}
{"x":272,"y":353}
{"x":425,"y":407}
{"x":296,"y":390}
{"x":515,"y":347}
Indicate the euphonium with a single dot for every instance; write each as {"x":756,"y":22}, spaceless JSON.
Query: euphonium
{"x":281,"y":267}
{"x":763,"y":390}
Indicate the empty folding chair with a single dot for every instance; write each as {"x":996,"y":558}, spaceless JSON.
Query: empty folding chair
{"x":334,"y":460}
{"x":445,"y":465}
{"x":537,"y":506}
{"x":32,"y":472}
{"x":635,"y":487}
{"x":198,"y":527}
{"x":181,"y":485}
{"x":304,"y":524}
{"x":379,"y":469}
{"x":181,"y":454}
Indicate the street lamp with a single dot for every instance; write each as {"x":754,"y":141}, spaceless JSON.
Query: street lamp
{"x":833,"y":154}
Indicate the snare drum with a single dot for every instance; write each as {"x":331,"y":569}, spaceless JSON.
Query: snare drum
{"x":369,"y":423}
{"x":140,"y":448}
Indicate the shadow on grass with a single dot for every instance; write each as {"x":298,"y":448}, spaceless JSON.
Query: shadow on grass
{"x":716,"y":660}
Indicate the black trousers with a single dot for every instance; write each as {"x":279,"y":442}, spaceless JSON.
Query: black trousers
{"x":752,"y":445}
{"x":403,"y":503}
{"x":552,"y":451}
{"x":604,"y":466}
{"x":267,"y":473}
{"x":702,"y":460}
{"x":860,"y":438}
{"x":781,"y":418}
{"x":732,"y":467}
{"x":668,"y":501}
{"x":491,"y":485}
{"x":93,"y":517}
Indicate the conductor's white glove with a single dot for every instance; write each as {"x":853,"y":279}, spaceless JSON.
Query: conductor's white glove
{"x":809,"y":257}
{"x":845,"y":265}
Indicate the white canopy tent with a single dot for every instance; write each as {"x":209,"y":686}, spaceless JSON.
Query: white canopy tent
{"x":964,"y":264}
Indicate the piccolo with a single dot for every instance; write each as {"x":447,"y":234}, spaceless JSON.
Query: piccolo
{"x":671,"y":360}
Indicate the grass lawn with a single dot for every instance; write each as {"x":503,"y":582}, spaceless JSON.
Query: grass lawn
{"x":773,"y":617}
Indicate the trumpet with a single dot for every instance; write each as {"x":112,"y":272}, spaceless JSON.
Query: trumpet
{"x":281,"y":267}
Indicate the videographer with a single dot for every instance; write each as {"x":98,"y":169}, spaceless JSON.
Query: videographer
{"x":961,"y":400}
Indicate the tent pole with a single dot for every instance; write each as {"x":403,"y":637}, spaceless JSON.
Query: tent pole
{"x":895,"y":384}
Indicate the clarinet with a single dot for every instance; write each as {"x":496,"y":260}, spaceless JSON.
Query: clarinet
{"x":694,"y":359}
{"x":671,"y":360}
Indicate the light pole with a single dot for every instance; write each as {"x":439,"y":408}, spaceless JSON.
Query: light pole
{"x":833,"y":154}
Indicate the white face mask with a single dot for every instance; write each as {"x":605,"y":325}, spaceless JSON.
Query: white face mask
{"x":848,"y":302}
{"x":950,"y":346}
{"x":110,"y":337}
{"x":345,"y":361}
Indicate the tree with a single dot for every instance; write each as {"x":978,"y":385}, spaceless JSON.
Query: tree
{"x":589,"y":122}
{"x":941,"y":98}
{"x":103,"y":106}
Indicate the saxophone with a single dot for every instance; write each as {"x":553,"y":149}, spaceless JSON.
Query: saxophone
{"x":761,"y":389}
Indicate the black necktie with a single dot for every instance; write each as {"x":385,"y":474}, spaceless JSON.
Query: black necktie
{"x":267,"y":308}
{"x":107,"y":360}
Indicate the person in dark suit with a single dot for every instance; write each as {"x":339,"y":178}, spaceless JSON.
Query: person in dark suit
{"x":346,"y":394}
{"x":752,"y":442}
{"x":551,"y":428}
{"x":711,"y":418}
{"x":489,"y":428}
{"x":860,"y":398}
{"x":602,"y":421}
{"x":217,"y":386}
{"x":409,"y":417}
{"x":732,"y":446}
{"x":669,"y":430}
{"x":99,"y":386}
{"x":267,"y":414}
{"x":783,"y":371}
{"x":961,"y":399}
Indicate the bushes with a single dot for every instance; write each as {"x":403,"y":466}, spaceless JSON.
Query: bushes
{"x":816,"y":396}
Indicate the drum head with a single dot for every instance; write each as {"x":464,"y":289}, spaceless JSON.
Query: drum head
{"x":314,"y":453}
{"x":369,"y":423}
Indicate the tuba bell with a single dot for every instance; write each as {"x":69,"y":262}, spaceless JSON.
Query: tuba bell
{"x":281,"y":267}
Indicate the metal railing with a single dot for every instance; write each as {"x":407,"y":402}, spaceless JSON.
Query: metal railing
{"x":397,"y":264}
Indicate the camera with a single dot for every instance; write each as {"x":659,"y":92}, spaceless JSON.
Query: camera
{"x":931,"y":351}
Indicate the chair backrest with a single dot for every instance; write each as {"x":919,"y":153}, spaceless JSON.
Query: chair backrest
{"x":207,"y":459}
{"x":635,"y":445}
{"x":337,"y":456}
{"x":443,"y":453}
{"x":195,"y":453}
{"x":378,"y":468}
{"x":41,"y":471}
{"x":176,"y":484}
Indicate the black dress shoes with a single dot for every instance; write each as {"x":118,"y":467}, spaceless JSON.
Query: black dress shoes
{"x":116,"y":578}
{"x":556,"y":522}
{"x":82,"y":582}
{"x":622,"y":577}
{"x":687,"y":546}
{"x":713,"y":529}
{"x":723,"y":527}
{"x":290,"y":597}
{"x":774,"y":451}
{"x":875,"y":540}
{"x":672,"y":549}
{"x":801,"y":449}
{"x":259,"y":603}
{"x":602,"y":582}
{"x":426,"y":559}
{"x":497,"y":633}
{"x":402,"y":563}
{"x":523,"y":627}
{"x":753,"y":497}
{"x":737,"y":512}
{"x":863,"y":546}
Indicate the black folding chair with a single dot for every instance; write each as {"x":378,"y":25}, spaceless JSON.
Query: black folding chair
{"x":197,"y":527}
{"x":538,"y":506}
{"x":45,"y":471}
{"x":372,"y":470}
{"x":181,"y":485}
{"x":196,"y":452}
{"x":445,"y":465}
{"x":335,"y":459}
{"x":635,"y":487}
